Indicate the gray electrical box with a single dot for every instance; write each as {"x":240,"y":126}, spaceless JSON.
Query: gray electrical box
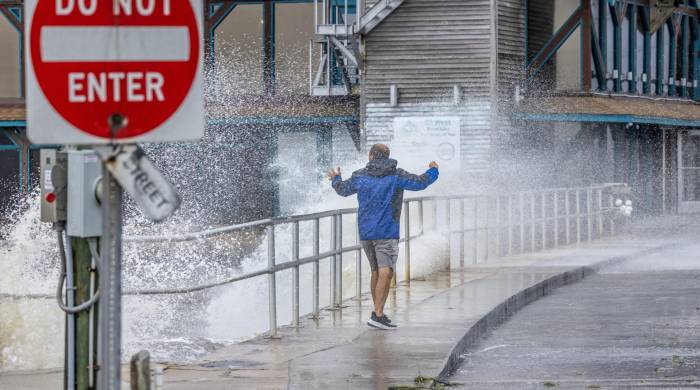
{"x":53,"y":185}
{"x":84,"y":212}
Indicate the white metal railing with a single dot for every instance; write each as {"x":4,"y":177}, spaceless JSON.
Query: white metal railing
{"x":497,"y":225}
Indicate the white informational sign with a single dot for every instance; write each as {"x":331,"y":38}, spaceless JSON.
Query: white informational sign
{"x":114,"y":71}
{"x":419,"y":140}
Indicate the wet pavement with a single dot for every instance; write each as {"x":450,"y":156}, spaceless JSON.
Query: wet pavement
{"x":438,"y":318}
{"x":634,"y":325}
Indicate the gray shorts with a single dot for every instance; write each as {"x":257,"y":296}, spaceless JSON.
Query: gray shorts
{"x":381,"y":253}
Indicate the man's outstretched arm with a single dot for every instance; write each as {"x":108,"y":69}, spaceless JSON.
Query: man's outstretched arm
{"x":411,"y":182}
{"x":342,"y":188}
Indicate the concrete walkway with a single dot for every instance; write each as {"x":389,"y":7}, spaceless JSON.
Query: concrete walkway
{"x":634,"y":325}
{"x":438,"y":319}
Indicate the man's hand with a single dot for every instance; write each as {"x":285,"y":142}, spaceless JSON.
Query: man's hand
{"x":433,"y":164}
{"x":333,"y":173}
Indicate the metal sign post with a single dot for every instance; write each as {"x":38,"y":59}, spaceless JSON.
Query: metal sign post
{"x":111,"y":285}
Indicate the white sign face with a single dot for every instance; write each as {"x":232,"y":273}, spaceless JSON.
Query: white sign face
{"x":418,"y":140}
{"x":114,"y":71}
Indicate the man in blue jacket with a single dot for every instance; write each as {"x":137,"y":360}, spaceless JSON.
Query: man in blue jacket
{"x":379,"y":188}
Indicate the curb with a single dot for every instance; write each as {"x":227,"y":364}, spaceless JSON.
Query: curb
{"x":510,"y":306}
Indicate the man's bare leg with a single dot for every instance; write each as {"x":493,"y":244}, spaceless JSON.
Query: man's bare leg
{"x":382,"y":291}
{"x":373,"y":285}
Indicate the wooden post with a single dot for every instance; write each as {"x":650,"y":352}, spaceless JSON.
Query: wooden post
{"x":82,"y":265}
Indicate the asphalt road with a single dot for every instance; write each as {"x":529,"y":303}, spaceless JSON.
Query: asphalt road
{"x":633,"y":326}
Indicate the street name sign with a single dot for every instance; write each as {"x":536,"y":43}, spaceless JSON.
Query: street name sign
{"x":140,"y":178}
{"x":114,"y":71}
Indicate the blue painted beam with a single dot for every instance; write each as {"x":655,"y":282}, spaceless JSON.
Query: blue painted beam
{"x":611,"y":118}
{"x":13,"y":123}
{"x":632,"y":49}
{"x":603,"y":30}
{"x":660,"y":62}
{"x":644,"y":15}
{"x":671,"y":56}
{"x":617,"y":47}
{"x":685,"y":27}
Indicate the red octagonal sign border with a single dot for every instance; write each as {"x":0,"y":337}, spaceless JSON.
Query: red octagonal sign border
{"x":92,"y":117}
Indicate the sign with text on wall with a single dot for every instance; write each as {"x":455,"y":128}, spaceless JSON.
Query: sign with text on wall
{"x":114,"y":71}
{"x":418,"y":140}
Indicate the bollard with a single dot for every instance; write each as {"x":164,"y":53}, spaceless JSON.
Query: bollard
{"x":158,"y":376}
{"x":271,"y":279}
{"x":141,"y":371}
{"x":612,"y":216}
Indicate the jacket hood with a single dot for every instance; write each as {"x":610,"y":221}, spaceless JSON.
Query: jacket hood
{"x":381,"y":167}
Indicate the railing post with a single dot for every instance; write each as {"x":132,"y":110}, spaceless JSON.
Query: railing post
{"x":420,"y":217}
{"x":578,"y":215}
{"x":271,"y":279}
{"x":510,"y":224}
{"x":487,"y":228}
{"x":316,"y":274}
{"x":532,"y":221}
{"x":498,"y":226}
{"x":333,"y":260}
{"x":407,"y":242}
{"x":589,"y":214}
{"x":556,"y":218}
{"x":475,"y":259}
{"x":295,"y":274}
{"x":612,"y":215}
{"x":600,"y":213}
{"x":435,"y":214}
{"x":544,"y":220}
{"x":521,"y":215}
{"x":338,"y":275}
{"x":462,"y":234}
{"x":358,"y":264}
{"x":568,"y":214}
{"x":448,"y":225}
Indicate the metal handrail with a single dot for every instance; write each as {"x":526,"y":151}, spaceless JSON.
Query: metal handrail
{"x":492,"y":230}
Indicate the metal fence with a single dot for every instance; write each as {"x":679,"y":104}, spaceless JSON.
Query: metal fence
{"x":491,"y":225}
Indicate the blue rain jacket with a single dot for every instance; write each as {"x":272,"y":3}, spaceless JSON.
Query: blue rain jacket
{"x":379,"y":188}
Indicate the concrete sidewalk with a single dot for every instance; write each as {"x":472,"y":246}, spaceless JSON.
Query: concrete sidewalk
{"x":438,"y":318}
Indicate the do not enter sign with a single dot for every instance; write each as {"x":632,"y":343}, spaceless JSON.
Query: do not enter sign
{"x":103,"y":71}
